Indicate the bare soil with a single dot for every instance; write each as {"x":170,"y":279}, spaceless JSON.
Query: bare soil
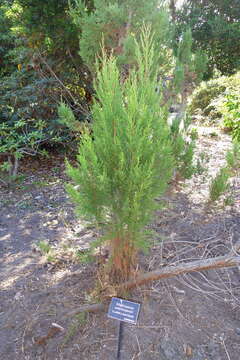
{"x":195,"y":316}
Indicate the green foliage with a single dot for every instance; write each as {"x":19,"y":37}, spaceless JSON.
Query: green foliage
{"x":200,"y":65}
{"x":47,"y":250}
{"x":45,"y":25}
{"x":189,"y":66}
{"x":229,"y":200}
{"x":199,"y":169}
{"x":231,"y":114}
{"x":209,"y":96}
{"x":215,"y":30}
{"x":117,"y":24}
{"x":219,"y":184}
{"x":233,"y":157}
{"x":44,"y":247}
{"x":183,"y":150}
{"x":21,"y":113}
{"x":129,"y":162}
{"x":187,"y":169}
{"x":7,"y":40}
{"x":29,"y":113}
{"x":178,"y":76}
{"x":85,"y":257}
{"x":185,"y":48}
{"x":67,"y":118}
{"x":21,"y":137}
{"x":74,"y":327}
{"x":39,"y":67}
{"x":26,"y":117}
{"x":204,"y":96}
{"x":193,"y":134}
{"x":22,"y":128}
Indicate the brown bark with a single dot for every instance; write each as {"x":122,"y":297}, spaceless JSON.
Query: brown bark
{"x":122,"y":259}
{"x":230,"y":260}
{"x":194,"y":266}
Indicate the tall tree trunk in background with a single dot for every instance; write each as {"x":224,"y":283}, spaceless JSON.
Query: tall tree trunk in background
{"x":172,"y":7}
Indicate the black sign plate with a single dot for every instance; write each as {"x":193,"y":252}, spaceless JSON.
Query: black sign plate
{"x":124,"y":310}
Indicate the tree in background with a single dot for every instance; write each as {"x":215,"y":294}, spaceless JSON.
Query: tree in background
{"x":215,"y":26}
{"x":46,"y":46}
{"x":118,"y":24}
{"x":45,"y":24}
{"x":7,"y":40}
{"x":47,"y":42}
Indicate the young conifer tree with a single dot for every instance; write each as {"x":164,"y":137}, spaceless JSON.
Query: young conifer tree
{"x":187,"y":74}
{"x":134,"y":150}
{"x":127,"y":160}
{"x":116,"y":25}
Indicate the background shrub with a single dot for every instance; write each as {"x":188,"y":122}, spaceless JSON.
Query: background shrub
{"x":231,"y":114}
{"x":208,"y":98}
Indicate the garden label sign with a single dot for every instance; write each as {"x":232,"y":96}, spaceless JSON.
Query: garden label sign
{"x":123,"y":311}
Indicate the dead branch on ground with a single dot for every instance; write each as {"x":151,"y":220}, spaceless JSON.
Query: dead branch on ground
{"x":170,"y":271}
{"x":230,"y":260}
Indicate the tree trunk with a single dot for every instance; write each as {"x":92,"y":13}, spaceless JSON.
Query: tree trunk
{"x":172,"y":7}
{"x":122,"y":260}
{"x":15,"y":167}
{"x":10,"y":163}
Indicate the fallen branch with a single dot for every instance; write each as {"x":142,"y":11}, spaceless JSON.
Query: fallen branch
{"x":194,"y":266}
{"x":230,"y":260}
{"x":86,"y":308}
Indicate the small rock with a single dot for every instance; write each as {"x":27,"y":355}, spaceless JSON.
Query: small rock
{"x":237,"y":330}
{"x":188,"y":350}
{"x":178,"y":291}
{"x":39,"y":351}
{"x":18,"y":296}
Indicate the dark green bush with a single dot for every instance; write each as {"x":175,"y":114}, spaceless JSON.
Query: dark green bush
{"x":26,"y":98}
{"x":29,"y":119}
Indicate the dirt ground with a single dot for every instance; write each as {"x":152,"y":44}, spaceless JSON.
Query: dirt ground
{"x":194,"y":316}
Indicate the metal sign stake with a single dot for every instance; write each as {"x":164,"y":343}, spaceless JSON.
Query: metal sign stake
{"x":123,"y":311}
{"x":120,"y":334}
